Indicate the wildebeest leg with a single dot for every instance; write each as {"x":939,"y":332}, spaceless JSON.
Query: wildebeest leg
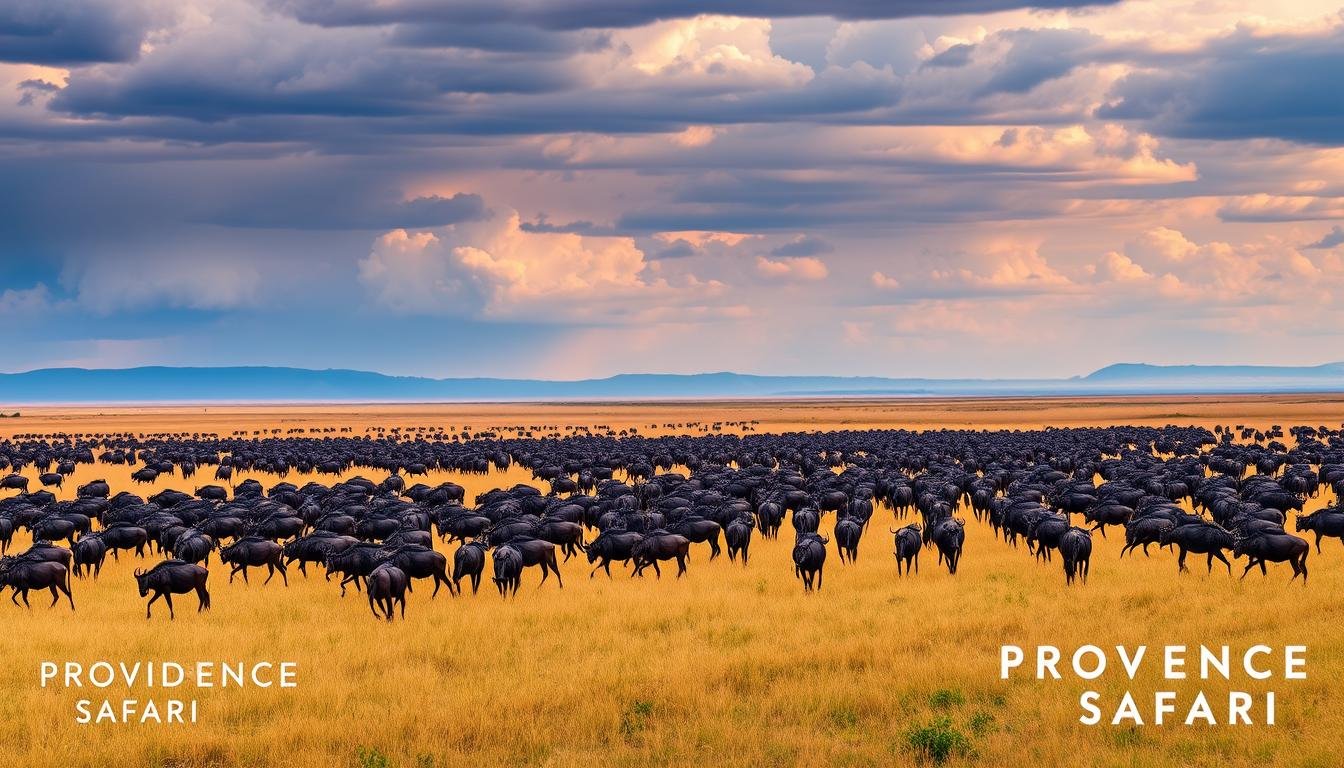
{"x":1249,"y":566}
{"x":168,"y":598}
{"x":25,"y":599}
{"x":475,"y":582}
{"x":1263,"y":572}
{"x":1180,"y":561}
{"x":714,"y":547}
{"x":819,"y":575}
{"x":657,"y":570}
{"x":284,"y":573}
{"x":154,"y":597}
{"x":556,"y":567}
{"x":55,"y":596}
{"x":373,"y":607}
{"x":1318,"y":542}
{"x":1220,"y":556}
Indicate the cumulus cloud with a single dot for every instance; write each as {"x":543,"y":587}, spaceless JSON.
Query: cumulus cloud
{"x":792,"y":269}
{"x":503,"y":272}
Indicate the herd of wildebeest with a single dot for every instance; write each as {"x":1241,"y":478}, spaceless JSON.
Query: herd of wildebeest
{"x":645,"y":501}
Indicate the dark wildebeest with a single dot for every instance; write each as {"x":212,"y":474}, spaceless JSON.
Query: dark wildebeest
{"x":1323,"y":522}
{"x":908,"y":542}
{"x":660,"y":545}
{"x":315,"y":548}
{"x":769,"y":517}
{"x":697,"y":530}
{"x":88,"y":554}
{"x":94,"y":489}
{"x":738,"y":537}
{"x":51,"y":479}
{"x":469,"y":561}
{"x":145,"y":475}
{"x":1075,"y":548}
{"x":24,"y":575}
{"x":564,"y":534}
{"x":387,"y":587}
{"x":1142,"y":532}
{"x":251,"y":551}
{"x":848,"y":531}
{"x":419,"y":562}
{"x":193,"y":546}
{"x":6,"y":534}
{"x":15,"y":482}
{"x":173,"y":577}
{"x":809,"y":557}
{"x":508,"y":569}
{"x":1200,"y":538}
{"x":612,"y":545}
{"x":540,"y":553}
{"x":949,"y":536}
{"x":1273,"y":548}
{"x":121,"y":536}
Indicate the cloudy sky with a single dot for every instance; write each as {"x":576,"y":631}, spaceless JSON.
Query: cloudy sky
{"x":577,"y":188}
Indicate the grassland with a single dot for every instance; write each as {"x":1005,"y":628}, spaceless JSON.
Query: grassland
{"x":729,"y":666}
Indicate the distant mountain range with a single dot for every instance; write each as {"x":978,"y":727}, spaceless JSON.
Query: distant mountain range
{"x":275,"y":384}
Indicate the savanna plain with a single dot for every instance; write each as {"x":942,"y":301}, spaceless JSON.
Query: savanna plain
{"x":729,"y":665}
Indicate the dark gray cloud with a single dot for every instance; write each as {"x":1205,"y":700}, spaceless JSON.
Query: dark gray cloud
{"x":72,"y":32}
{"x":1037,"y":56}
{"x":1245,"y":86}
{"x":804,"y":245}
{"x":1332,"y":239}
{"x":310,"y":209}
{"x":957,"y":56}
{"x":581,"y":14}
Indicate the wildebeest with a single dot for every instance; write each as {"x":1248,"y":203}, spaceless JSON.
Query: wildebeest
{"x":173,"y":577}
{"x":387,"y":587}
{"x":660,"y":545}
{"x":848,"y":531}
{"x":419,"y":562}
{"x":1274,"y":548}
{"x":809,"y":557}
{"x":949,"y":536}
{"x":253,"y":551}
{"x":22,"y":575}
{"x":508,"y":569}
{"x":88,"y":554}
{"x":1323,"y":522}
{"x":469,"y":561}
{"x":1075,"y":549}
{"x":907,"y":544}
{"x":612,"y":546}
{"x":1200,"y":538}
{"x":737,"y":535}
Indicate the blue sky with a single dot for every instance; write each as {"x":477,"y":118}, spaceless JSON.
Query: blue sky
{"x":584,"y":187}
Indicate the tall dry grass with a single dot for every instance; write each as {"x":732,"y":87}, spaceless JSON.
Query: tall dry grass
{"x":729,"y":666}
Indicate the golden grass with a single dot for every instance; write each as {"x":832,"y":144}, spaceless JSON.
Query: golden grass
{"x":728,"y":666}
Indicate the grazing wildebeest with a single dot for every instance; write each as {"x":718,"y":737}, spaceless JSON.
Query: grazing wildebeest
{"x":508,"y":569}
{"x":1323,"y":522}
{"x":173,"y":577}
{"x":660,"y":545}
{"x":612,"y":546}
{"x":23,"y":575}
{"x":1075,"y":548}
{"x":1200,"y":538}
{"x":1274,"y":548}
{"x":848,"y":531}
{"x":469,"y":561}
{"x":15,"y":483}
{"x":949,"y":536}
{"x":145,"y":475}
{"x":387,"y":587}
{"x":252,"y":551}
{"x":738,"y":537}
{"x":51,"y":479}
{"x":908,"y":542}
{"x":809,"y":557}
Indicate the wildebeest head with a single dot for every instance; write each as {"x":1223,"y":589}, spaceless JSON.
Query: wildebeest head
{"x":142,"y":580}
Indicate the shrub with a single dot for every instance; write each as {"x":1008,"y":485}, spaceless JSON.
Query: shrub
{"x":937,"y":741}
